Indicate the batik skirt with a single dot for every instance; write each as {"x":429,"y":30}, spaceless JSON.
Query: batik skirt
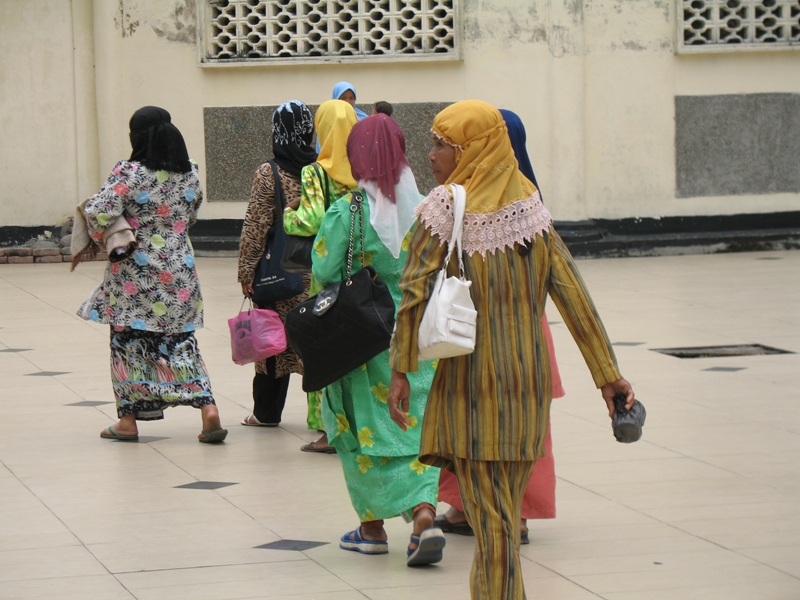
{"x":151,"y":371}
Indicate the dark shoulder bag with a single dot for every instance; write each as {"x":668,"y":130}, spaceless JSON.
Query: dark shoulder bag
{"x":345,"y":324}
{"x":271,"y":283}
{"x":296,"y":257}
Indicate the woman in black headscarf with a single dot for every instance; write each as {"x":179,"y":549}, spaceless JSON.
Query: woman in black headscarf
{"x":151,"y":297}
{"x":292,"y":145}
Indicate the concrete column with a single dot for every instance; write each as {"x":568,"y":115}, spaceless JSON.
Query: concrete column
{"x":567,"y":192}
{"x":88,"y":174}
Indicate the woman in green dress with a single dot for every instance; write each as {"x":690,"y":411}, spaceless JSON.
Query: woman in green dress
{"x":321,"y":184}
{"x":380,"y":462}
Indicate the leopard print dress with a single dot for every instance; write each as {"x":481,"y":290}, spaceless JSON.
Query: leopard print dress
{"x":257,"y":222}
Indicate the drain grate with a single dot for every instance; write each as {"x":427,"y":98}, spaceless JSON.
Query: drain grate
{"x":713,"y":351}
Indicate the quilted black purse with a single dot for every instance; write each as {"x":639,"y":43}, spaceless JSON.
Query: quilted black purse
{"x":296,"y":257}
{"x":271,"y":283}
{"x":345,"y":324}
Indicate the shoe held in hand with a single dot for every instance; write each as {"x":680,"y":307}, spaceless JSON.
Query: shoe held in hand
{"x":627,"y":424}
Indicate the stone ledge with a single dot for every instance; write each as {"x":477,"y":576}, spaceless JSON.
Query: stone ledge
{"x":27,"y":256}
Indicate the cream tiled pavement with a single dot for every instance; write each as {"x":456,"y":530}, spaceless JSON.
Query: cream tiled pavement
{"x":705,"y":507}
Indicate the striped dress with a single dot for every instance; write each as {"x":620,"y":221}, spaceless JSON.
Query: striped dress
{"x":493,"y":405}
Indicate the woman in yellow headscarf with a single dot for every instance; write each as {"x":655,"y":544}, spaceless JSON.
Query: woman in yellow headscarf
{"x":487,"y":412}
{"x":322,"y":182}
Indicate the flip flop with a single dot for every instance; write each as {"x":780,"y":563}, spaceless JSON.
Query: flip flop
{"x":429,"y":547}
{"x":110,"y":434}
{"x":213,"y":437}
{"x":247,"y":423}
{"x":356,"y":543}
{"x":310,"y":447}
{"x":446,"y":526}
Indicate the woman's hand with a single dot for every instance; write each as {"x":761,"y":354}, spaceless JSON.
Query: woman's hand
{"x":620,"y":386}
{"x":399,"y":392}
{"x":293,"y":204}
{"x":247,"y":290}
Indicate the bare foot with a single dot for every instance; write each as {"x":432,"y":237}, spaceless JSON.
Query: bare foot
{"x":422,"y":520}
{"x":455,"y":516}
{"x":125,"y":426}
{"x":319,"y":445}
{"x":371,"y":534}
{"x":210,"y":416}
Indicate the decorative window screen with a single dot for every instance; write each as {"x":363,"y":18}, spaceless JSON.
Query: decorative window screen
{"x":724,"y":25}
{"x":276,"y":31}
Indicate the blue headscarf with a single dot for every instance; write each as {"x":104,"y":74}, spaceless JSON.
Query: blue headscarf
{"x":339,"y":89}
{"x":516,"y":131}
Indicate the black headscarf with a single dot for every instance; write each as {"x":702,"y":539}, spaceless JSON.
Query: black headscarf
{"x":156,"y":142}
{"x":293,"y":136}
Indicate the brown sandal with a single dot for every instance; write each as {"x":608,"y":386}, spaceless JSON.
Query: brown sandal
{"x":312,"y":447}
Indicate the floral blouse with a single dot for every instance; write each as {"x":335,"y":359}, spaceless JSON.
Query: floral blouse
{"x":306,"y":219}
{"x":155,"y":289}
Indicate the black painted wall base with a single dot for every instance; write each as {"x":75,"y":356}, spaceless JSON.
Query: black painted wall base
{"x":594,"y":238}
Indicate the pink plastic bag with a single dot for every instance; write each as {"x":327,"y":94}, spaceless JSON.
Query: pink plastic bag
{"x":256,"y":334}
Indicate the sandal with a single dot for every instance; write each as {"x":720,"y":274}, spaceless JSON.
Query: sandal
{"x":446,"y":526}
{"x":429,"y":547}
{"x":213,"y":437}
{"x":110,"y":434}
{"x":353,"y":541}
{"x":312,"y":447}
{"x":251,"y":421}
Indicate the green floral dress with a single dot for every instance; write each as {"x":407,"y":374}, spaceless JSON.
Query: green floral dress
{"x":380,"y":461}
{"x":306,"y":220}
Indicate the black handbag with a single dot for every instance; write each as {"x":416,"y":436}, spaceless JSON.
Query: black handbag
{"x":346,"y":323}
{"x":296,"y":257}
{"x":271,"y":283}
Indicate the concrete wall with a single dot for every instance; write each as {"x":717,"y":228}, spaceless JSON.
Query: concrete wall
{"x":595,"y":82}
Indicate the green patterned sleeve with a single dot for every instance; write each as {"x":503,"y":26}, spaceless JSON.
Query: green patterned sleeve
{"x":306,"y":219}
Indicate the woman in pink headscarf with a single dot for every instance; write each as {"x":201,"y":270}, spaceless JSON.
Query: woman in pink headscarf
{"x":383,"y":474}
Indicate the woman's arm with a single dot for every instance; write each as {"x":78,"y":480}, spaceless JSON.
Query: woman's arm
{"x":306,"y":217}
{"x":257,"y":222}
{"x":198,"y":195}
{"x":571,"y":297}
{"x":425,"y":257}
{"x":108,"y":204}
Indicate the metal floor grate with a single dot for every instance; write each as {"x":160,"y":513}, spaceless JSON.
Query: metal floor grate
{"x":721,"y":351}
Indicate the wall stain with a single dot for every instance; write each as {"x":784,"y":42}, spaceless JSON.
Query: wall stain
{"x":183,"y":27}
{"x":178,"y":23}
{"x":124,"y":22}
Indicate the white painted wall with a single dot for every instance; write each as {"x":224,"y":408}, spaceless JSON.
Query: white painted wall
{"x":593,"y":80}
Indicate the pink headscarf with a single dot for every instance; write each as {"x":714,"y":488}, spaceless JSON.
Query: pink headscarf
{"x":376,"y":149}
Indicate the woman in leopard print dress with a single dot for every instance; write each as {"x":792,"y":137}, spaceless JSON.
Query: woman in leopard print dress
{"x":292,"y":144}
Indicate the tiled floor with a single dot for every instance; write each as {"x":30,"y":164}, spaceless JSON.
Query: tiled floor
{"x":706,"y":506}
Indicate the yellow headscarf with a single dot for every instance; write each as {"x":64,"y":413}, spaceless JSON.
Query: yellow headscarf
{"x":334,"y":120}
{"x":485,"y":161}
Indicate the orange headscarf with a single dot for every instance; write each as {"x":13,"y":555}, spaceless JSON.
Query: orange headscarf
{"x":503,"y":206}
{"x":334,"y":120}
{"x":485,"y":161}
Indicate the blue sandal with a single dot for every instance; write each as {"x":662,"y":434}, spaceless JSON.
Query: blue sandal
{"x":429,"y":547}
{"x":356,"y":543}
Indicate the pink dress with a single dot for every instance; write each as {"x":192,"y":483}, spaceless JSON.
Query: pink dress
{"x":539,"y":501}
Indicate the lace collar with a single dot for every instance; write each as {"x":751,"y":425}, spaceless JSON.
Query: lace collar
{"x":512,"y":224}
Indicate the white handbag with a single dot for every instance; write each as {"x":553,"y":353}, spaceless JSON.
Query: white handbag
{"x":447,"y":328}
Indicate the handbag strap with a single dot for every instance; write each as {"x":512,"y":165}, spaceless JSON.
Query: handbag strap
{"x":279,"y":204}
{"x":459,"y":208}
{"x":356,"y":207}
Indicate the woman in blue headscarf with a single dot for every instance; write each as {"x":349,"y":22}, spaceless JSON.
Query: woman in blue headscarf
{"x":345,"y":91}
{"x":516,"y":131}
